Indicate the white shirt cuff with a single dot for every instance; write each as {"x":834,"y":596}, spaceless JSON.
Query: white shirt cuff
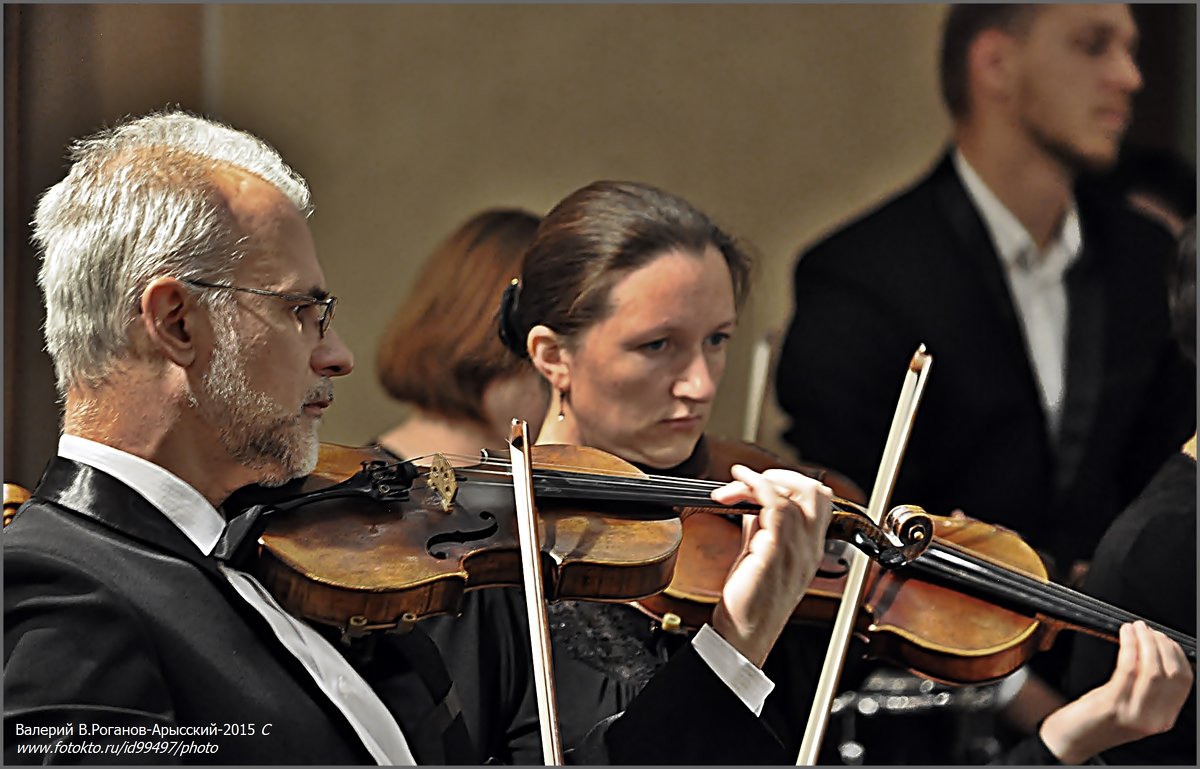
{"x":748,"y":682}
{"x":1008,"y":687}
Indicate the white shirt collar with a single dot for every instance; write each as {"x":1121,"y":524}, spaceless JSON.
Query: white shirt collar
{"x":175,"y":498}
{"x":1013,"y":242}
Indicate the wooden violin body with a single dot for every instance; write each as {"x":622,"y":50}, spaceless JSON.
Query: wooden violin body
{"x":372,"y":564}
{"x":935,"y":630}
{"x":938,"y":629}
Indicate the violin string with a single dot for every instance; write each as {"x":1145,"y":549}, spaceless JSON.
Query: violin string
{"x":581,"y":478}
{"x":636,"y":479}
{"x":637,"y":489}
{"x":616,"y":475}
{"x":657,"y":483}
{"x":1050,"y":590}
{"x":594,"y":490}
{"x":619,"y":477}
{"x":1072,"y":599}
{"x":1059,"y":601}
{"x":601,"y":481}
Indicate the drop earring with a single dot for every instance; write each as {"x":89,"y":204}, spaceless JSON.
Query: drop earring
{"x":562,"y":398}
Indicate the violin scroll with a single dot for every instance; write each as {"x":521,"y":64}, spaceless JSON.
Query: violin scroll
{"x":908,"y":525}
{"x":913,"y":527}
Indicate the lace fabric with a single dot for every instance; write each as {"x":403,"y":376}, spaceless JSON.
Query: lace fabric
{"x":613,"y":639}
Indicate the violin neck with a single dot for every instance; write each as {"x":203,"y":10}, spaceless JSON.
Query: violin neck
{"x":567,"y":487}
{"x":943,"y":562}
{"x":673,"y":492}
{"x":1031,"y":596}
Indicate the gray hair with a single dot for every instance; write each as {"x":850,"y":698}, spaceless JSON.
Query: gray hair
{"x":140,"y":202}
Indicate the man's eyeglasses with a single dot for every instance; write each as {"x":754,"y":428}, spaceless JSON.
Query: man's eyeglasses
{"x":326,"y":303}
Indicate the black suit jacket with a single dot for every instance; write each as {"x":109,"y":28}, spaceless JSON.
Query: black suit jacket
{"x":113,"y":618}
{"x":922,"y":268}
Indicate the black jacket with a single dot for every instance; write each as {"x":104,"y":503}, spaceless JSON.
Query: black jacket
{"x":922,"y":268}
{"x":122,"y":622}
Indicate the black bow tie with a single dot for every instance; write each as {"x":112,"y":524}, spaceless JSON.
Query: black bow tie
{"x":240,"y":538}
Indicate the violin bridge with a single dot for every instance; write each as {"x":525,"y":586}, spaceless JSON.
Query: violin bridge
{"x":442,"y":483}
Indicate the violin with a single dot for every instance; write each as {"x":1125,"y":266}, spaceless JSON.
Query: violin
{"x":14,"y":497}
{"x":368,"y":542}
{"x":971,"y":608}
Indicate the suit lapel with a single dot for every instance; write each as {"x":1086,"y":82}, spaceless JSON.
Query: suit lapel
{"x":1086,"y":318}
{"x":974,"y":244}
{"x":94,"y":494}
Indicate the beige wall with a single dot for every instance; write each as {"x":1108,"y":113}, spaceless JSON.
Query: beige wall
{"x":70,"y":70}
{"x":778,"y":120}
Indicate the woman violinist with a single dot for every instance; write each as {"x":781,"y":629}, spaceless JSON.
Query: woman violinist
{"x":467,"y":388}
{"x":626,"y":301}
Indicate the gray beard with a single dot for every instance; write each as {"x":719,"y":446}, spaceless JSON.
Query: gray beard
{"x":253,"y":428}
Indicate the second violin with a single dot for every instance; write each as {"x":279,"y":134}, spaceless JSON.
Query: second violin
{"x":971,"y":608}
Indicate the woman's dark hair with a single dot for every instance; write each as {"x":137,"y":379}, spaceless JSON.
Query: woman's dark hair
{"x":594,"y":237}
{"x":440,"y":350}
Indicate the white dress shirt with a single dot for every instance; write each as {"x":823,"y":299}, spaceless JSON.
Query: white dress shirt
{"x":1035,"y":278}
{"x":203,"y":525}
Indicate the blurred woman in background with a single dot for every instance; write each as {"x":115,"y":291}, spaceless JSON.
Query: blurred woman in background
{"x":441,"y":355}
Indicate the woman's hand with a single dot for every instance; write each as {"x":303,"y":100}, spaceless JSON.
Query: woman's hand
{"x":782,"y":547}
{"x":1148,"y":687}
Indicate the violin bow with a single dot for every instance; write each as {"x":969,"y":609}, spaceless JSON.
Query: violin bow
{"x":843,"y":626}
{"x":535,"y":603}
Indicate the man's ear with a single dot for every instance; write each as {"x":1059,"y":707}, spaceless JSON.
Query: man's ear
{"x":170,"y":319}
{"x":992,"y":65}
{"x":550,"y":356}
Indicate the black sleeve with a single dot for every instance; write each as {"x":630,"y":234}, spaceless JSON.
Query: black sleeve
{"x":486,"y":653}
{"x":685,"y":715}
{"x":1030,"y":751}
